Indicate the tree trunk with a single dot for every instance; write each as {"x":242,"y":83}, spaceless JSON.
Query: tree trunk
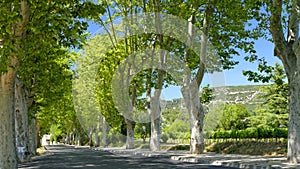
{"x":8,"y":156}
{"x":31,"y":135}
{"x":21,"y":121}
{"x":79,"y":140}
{"x":130,"y":124}
{"x":72,"y":136}
{"x":91,"y":137}
{"x":97,"y":139}
{"x":196,"y":113}
{"x":105,"y":129}
{"x":31,"y":120}
{"x":294,"y":118}
{"x":130,"y":134}
{"x":37,"y":135}
{"x":79,"y":133}
{"x":155,"y":114}
{"x":153,"y":108}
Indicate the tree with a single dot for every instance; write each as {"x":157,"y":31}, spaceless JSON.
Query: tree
{"x":175,"y":124}
{"x":218,"y":32}
{"x":30,"y":26}
{"x":281,"y":19}
{"x":143,"y":130}
{"x":276,"y":94}
{"x":273,"y":113}
{"x":83,"y":91}
{"x":234,"y":117}
{"x":53,"y":98}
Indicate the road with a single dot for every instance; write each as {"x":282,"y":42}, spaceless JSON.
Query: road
{"x":61,"y":156}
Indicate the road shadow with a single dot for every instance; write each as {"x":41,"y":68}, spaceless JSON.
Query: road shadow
{"x":63,"y":157}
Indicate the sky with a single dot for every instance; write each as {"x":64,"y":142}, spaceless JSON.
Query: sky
{"x":233,"y":77}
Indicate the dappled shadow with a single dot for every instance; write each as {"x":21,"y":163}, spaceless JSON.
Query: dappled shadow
{"x":69,"y":157}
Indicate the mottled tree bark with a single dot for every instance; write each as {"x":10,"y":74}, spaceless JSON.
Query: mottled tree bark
{"x":294,"y":119}
{"x":97,"y":139}
{"x":37,"y":135}
{"x":155,"y":115}
{"x":21,"y":121}
{"x":288,"y":51}
{"x":8,"y":156}
{"x":196,"y":113}
{"x":105,"y":129}
{"x":91,"y":137}
{"x":31,"y":135}
{"x":130,"y":134}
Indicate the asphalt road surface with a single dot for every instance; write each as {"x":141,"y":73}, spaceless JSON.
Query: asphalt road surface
{"x":61,"y":156}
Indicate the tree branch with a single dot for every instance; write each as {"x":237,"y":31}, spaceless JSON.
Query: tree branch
{"x":204,"y":41}
{"x":111,"y":21}
{"x":295,"y":20}
{"x":107,"y":31}
{"x":200,"y":74}
{"x":20,"y":26}
{"x":293,"y":26}
{"x":276,"y":30}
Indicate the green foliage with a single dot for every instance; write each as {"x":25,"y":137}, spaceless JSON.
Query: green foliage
{"x":274,"y":111}
{"x":206,"y":95}
{"x":44,"y":26}
{"x":212,"y":118}
{"x":142,"y":130}
{"x":115,"y":138}
{"x":234,"y":117}
{"x":177,"y":130}
{"x":257,"y":133}
{"x":55,"y":132}
{"x":107,"y":67}
{"x":179,"y":147}
{"x":53,"y":104}
{"x":277,"y":94}
{"x":175,"y":124}
{"x":170,"y":115}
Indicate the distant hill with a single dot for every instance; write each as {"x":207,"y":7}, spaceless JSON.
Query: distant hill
{"x":247,"y":95}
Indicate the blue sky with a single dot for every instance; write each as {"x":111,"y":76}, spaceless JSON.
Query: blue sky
{"x":233,"y":77}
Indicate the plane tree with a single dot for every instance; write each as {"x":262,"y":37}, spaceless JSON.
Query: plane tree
{"x":223,"y":36}
{"x":31,"y":30}
{"x":279,"y":23}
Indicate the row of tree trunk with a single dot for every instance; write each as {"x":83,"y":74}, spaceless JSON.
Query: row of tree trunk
{"x":104,"y":127}
{"x":26,"y":135}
